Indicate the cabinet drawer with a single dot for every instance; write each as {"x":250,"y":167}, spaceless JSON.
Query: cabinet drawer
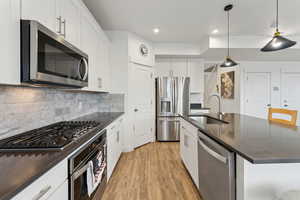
{"x":44,"y":186}
{"x":192,"y":129}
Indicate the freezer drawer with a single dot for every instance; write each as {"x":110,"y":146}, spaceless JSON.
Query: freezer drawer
{"x":216,"y":170}
{"x":168,"y":129}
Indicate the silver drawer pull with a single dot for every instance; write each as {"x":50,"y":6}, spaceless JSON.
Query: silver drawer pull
{"x":42,"y":193}
{"x":213,"y":153}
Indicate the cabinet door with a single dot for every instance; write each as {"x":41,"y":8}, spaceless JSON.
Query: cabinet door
{"x":103,"y":68}
{"x":61,"y":193}
{"x":112,"y":149}
{"x":89,"y":46}
{"x":42,"y":11}
{"x":179,"y":67}
{"x":10,"y":41}
{"x":70,"y":13}
{"x":162,"y":67}
{"x":196,"y":73}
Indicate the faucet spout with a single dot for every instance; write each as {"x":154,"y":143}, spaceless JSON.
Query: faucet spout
{"x":219,"y":103}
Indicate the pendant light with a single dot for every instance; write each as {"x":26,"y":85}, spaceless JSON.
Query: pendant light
{"x":278,"y":42}
{"x":228,"y":61}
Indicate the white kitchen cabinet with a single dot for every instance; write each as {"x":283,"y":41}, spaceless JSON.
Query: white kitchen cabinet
{"x":51,"y":183}
{"x":179,"y":67}
{"x":61,"y":193}
{"x":114,"y":145}
{"x":10,"y":41}
{"x":196,"y":73}
{"x":69,"y":12}
{"x":60,"y":16}
{"x":189,"y":149}
{"x":42,"y":11}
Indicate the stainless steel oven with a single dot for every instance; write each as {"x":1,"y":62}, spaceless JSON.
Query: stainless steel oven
{"x":46,"y":58}
{"x":79,"y":165}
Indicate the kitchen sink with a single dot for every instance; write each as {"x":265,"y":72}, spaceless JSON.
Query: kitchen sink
{"x":208,"y":120}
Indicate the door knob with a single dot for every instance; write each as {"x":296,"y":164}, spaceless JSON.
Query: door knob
{"x":285,"y":105}
{"x":135,"y":110}
{"x":269,"y":105}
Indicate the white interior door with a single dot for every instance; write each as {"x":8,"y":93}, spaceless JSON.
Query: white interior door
{"x":142,"y":86}
{"x":257,"y":94}
{"x":290,"y":93}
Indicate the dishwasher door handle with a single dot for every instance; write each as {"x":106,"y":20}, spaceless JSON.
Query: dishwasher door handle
{"x":212,"y":152}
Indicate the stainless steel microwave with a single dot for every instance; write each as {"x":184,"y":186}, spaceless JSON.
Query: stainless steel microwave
{"x":48,"y":59}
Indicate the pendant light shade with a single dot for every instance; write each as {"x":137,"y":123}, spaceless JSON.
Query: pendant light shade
{"x":278,"y":42}
{"x":228,"y":61}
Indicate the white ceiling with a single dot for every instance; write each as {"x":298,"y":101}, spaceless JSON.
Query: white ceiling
{"x":190,"y":20}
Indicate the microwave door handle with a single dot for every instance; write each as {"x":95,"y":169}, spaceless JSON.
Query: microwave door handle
{"x":86,"y":69}
{"x":212,"y":152}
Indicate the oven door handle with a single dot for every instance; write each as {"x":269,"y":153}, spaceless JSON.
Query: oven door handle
{"x":80,"y":171}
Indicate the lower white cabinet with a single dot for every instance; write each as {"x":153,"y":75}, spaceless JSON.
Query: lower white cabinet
{"x":189,"y":149}
{"x":114,"y":145}
{"x":49,"y":186}
{"x":61,"y":193}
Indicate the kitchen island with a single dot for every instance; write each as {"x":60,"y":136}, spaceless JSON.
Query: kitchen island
{"x":267,"y":155}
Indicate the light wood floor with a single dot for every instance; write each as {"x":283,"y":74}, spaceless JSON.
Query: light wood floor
{"x":151,"y":172}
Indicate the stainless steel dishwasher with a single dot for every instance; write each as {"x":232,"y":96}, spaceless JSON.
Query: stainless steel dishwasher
{"x":216,"y":170}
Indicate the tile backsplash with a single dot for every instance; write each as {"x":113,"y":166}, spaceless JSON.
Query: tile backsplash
{"x":24,"y":108}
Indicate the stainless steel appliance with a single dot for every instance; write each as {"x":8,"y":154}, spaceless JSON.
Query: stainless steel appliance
{"x":47,"y":59}
{"x":54,"y":137}
{"x":172,"y":100}
{"x":96,"y":152}
{"x":216,"y":170}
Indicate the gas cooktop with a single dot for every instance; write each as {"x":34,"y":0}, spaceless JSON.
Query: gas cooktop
{"x":54,"y":137}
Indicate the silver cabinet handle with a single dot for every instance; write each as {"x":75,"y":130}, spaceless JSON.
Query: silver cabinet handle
{"x":185,"y":140}
{"x":64,"y":22}
{"x":42,"y":193}
{"x":59,"y":19}
{"x":212,"y":152}
{"x":118,"y":136}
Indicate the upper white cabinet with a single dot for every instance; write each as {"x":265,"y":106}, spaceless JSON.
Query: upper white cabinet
{"x":189,"y":67}
{"x":68,"y":14}
{"x":61,"y":16}
{"x":10,"y":41}
{"x":196,"y":73}
{"x":42,"y":11}
{"x":98,"y":50}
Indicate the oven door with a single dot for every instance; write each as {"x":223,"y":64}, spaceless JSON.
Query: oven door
{"x":51,"y":59}
{"x":79,"y":181}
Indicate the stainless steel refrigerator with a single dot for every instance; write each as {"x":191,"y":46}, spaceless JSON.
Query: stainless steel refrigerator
{"x":172,"y":100}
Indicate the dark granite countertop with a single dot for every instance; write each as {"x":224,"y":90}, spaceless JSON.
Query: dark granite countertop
{"x":257,"y":140}
{"x":18,"y":170}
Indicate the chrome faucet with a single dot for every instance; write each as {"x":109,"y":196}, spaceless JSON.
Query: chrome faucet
{"x":220,"y":114}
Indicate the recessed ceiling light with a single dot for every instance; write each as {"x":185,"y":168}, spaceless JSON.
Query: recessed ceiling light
{"x":156,"y":30}
{"x":215,"y":31}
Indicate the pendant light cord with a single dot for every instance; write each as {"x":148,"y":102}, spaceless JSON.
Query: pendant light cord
{"x":228,"y":53}
{"x":277,"y":17}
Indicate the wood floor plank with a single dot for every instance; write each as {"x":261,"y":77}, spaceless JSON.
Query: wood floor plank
{"x":151,"y":172}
